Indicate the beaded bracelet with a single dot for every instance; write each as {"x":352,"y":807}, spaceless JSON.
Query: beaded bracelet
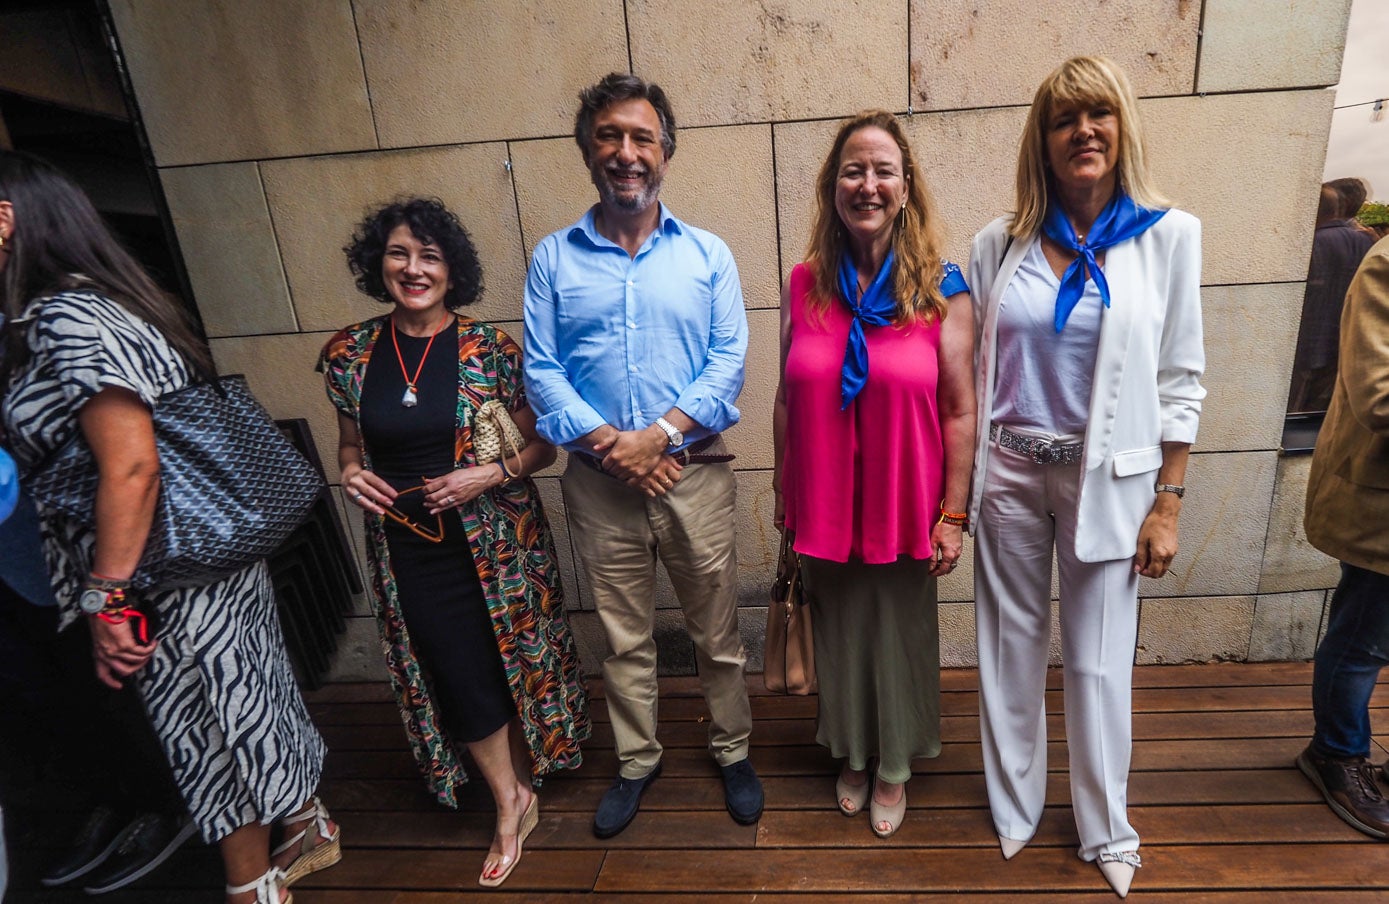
{"x":959,"y":519}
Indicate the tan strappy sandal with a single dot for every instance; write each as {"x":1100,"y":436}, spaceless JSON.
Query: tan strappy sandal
{"x":312,"y":857}
{"x":266,"y":887}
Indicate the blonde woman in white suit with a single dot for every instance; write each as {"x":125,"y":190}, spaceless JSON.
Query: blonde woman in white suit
{"x":1090,"y":356}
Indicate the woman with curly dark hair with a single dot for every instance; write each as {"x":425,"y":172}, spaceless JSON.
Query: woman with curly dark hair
{"x":466,"y":587}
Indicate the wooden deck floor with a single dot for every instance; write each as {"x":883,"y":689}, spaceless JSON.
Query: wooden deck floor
{"x":1223,"y":814}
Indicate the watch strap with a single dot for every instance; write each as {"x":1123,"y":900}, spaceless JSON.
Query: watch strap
{"x":672,"y":434}
{"x":101,"y":582}
{"x":1175,"y":489}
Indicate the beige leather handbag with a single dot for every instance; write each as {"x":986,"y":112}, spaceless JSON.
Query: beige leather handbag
{"x":789,"y":647}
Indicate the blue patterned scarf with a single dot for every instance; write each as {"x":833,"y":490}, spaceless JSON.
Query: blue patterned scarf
{"x":875,"y":307}
{"x":1121,"y":219}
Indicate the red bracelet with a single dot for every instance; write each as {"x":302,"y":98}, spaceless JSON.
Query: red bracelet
{"x":125,"y":614}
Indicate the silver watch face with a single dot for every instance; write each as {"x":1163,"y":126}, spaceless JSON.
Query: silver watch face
{"x":677,"y":438}
{"x":92,"y":601}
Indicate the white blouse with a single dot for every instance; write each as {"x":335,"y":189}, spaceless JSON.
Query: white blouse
{"x":1044,"y":377}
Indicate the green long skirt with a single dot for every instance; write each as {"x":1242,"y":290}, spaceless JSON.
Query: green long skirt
{"x":877,"y":659}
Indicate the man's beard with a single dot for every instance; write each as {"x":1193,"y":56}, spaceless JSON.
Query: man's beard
{"x":625,"y":199}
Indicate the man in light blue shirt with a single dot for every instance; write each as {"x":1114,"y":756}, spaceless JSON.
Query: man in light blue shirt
{"x":635,"y":339}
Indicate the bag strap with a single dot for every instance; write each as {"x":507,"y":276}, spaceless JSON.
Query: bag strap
{"x":507,"y":441}
{"x":1006,"y":245}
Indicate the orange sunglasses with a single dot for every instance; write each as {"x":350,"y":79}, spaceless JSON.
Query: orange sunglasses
{"x":435,"y":535}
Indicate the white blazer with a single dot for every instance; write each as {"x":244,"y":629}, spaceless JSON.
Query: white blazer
{"x":1147,"y":383}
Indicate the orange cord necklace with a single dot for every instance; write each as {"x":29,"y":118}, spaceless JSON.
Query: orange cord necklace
{"x":411,"y":398}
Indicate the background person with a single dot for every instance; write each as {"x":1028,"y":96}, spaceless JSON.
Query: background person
{"x":1347,"y":511}
{"x":635,"y":339}
{"x":874,"y":433}
{"x":1090,"y":358}
{"x":92,"y":345}
{"x":1338,"y":246}
{"x":466,"y":588}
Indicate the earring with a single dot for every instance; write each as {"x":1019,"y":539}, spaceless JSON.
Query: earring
{"x":902,"y":216}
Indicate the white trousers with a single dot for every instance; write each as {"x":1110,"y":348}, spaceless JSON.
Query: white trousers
{"x":1027,"y":510}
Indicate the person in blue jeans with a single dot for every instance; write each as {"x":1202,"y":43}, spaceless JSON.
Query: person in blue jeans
{"x":1347,"y":514}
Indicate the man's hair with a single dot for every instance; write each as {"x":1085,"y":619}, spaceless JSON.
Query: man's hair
{"x":1353,"y":194}
{"x":1329,"y":205}
{"x":616,"y":87}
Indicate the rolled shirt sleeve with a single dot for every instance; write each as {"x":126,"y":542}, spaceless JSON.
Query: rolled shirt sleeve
{"x":709,"y":400}
{"x":562,"y":415}
{"x":1182,"y":357}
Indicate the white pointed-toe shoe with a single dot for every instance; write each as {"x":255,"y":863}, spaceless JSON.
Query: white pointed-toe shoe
{"x":1010,"y":847}
{"x":1118,"y":868}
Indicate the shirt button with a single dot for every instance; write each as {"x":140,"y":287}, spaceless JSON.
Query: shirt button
{"x":632,"y":368}
{"x":631,"y":325}
{"x":630,"y":283}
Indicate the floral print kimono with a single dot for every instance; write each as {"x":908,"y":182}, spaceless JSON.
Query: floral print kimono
{"x":514,"y":552}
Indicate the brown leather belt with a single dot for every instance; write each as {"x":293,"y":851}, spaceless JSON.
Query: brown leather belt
{"x":693,"y":454}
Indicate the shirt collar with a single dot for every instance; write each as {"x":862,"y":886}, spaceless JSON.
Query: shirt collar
{"x":584,"y":229}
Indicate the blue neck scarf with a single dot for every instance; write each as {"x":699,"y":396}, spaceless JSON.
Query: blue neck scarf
{"x":875,"y":308}
{"x":1120,"y":220}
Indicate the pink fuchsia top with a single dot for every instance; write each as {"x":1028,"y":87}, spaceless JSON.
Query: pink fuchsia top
{"x":865,"y":482}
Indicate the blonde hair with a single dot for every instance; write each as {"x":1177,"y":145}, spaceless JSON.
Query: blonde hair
{"x":916,"y":240}
{"x":1080,"y":81}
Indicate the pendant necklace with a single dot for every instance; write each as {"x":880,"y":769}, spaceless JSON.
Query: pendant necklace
{"x":411,"y":397}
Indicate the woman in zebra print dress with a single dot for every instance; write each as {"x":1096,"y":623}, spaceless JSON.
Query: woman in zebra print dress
{"x":91,"y":344}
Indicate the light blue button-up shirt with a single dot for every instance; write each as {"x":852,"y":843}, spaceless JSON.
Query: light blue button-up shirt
{"x":613,"y":339}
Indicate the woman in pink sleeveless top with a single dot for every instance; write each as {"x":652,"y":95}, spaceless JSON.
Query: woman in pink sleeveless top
{"x":874,"y":428}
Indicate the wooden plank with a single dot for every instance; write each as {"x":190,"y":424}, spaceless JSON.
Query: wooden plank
{"x":930,"y":825}
{"x":693,"y":709}
{"x":700,"y":897}
{"x":816,"y":792}
{"x":1228,"y":674}
{"x":1170,"y":868}
{"x":557,"y":829}
{"x":784,"y":732}
{"x":1253,"y":753}
{"x":446,"y":870}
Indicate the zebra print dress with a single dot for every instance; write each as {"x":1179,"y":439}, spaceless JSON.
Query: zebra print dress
{"x":218,"y":689}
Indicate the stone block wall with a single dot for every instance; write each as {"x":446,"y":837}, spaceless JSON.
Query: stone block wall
{"x":275,"y":125}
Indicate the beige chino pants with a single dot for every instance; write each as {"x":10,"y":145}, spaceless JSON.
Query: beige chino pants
{"x":618,"y":532}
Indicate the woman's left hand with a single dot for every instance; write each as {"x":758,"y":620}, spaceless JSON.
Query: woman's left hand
{"x":1157,"y":544}
{"x":949,"y":542}
{"x":460,"y":486}
{"x":116,"y":652}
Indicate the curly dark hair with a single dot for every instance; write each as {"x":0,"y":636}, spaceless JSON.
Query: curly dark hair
{"x":616,"y":87}
{"x":430,"y":222}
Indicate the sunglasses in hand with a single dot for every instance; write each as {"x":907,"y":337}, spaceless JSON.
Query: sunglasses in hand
{"x":433,"y":534}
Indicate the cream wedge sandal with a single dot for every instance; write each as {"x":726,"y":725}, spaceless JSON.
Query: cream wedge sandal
{"x":312,"y":857}
{"x":267,"y":888}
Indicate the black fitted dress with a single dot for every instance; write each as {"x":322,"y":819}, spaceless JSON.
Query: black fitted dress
{"x":440,"y":596}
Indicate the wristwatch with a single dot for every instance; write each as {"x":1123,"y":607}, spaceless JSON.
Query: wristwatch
{"x":1175,"y":489}
{"x":98,"y":593}
{"x":674,"y":438}
{"x":94,"y":599}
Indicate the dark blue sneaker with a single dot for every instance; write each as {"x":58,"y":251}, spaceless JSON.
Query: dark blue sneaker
{"x":620,"y":803}
{"x":742,"y":792}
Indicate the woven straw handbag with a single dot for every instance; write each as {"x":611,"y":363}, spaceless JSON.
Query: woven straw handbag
{"x":495,"y":435}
